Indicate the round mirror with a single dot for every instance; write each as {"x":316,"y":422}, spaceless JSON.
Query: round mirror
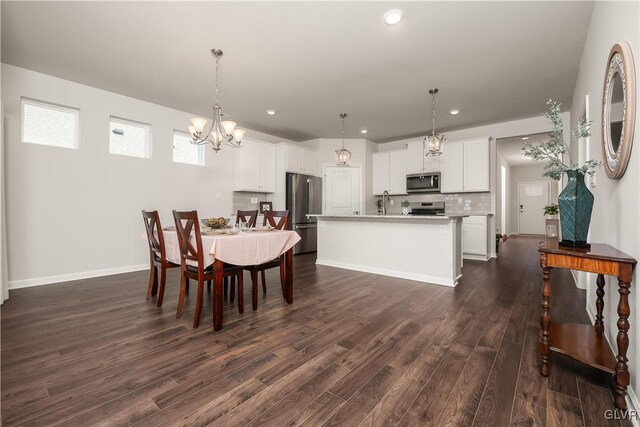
{"x":618,"y":110}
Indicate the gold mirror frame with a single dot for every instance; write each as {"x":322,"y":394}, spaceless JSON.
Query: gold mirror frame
{"x":620,"y":62}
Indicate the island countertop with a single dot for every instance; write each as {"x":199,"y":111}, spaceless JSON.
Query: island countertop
{"x":406,"y":217}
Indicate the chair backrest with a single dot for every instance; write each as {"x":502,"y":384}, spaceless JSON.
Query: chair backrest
{"x":154,"y":233}
{"x":250,"y":217}
{"x":186,"y":222}
{"x":277,"y":219}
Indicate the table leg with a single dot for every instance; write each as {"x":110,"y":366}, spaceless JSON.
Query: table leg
{"x":288,"y":262}
{"x":622,"y":370}
{"x":217,"y":295}
{"x":599,"y":324}
{"x":545,"y":321}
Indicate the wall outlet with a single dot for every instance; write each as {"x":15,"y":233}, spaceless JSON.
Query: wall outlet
{"x":443,"y":229}
{"x":460,"y":200}
{"x":391,"y":202}
{"x":254,"y":200}
{"x":218,"y":196}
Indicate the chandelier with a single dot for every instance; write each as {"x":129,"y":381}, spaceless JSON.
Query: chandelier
{"x":221,"y":130}
{"x":343,"y":156}
{"x":434,"y":144}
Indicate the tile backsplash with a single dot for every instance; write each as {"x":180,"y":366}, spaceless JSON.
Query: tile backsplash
{"x":454,"y":203}
{"x":243,"y":201}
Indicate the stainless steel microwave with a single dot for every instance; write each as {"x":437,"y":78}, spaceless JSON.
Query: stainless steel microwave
{"x":423,"y":183}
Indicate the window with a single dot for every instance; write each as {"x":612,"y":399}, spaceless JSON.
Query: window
{"x":129,"y":138}
{"x":50,"y":124}
{"x":186,"y":152}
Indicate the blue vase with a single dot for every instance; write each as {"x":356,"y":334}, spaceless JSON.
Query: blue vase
{"x":576,"y":205}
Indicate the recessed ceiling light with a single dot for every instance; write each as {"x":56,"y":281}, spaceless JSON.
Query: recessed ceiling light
{"x":363,"y":131}
{"x":271,"y":112}
{"x":393,"y":16}
{"x":454,"y":112}
{"x":525,"y":138}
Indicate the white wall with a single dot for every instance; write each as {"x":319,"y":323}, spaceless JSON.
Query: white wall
{"x":616,"y":211}
{"x":525,"y":173}
{"x":499,"y":191}
{"x":74,"y":213}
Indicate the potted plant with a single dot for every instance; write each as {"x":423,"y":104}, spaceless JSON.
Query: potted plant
{"x":406,"y":207}
{"x":575,"y":201}
{"x":551,"y":220}
{"x":379,"y":206}
{"x":551,"y":211}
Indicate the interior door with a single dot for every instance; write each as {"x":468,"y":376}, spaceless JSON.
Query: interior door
{"x":533,"y":196}
{"x":342,"y":190}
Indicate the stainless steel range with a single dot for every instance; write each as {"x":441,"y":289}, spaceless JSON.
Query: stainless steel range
{"x":427,"y":208}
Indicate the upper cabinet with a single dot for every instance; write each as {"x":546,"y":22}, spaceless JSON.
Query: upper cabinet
{"x":300,"y":160}
{"x":390,"y":172}
{"x":417,"y":162}
{"x":465,"y":166}
{"x":254,"y":167}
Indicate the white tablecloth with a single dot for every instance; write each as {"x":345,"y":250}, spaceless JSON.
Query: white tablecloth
{"x":245,"y":248}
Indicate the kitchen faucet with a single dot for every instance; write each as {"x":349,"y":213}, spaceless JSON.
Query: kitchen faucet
{"x":385,"y":199}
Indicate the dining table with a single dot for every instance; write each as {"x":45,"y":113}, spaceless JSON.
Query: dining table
{"x":245,"y":248}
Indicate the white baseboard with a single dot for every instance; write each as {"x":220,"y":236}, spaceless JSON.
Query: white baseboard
{"x":48,"y":280}
{"x":476,"y":257}
{"x":632,"y":400}
{"x":392,"y":273}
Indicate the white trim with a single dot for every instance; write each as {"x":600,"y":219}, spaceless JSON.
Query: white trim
{"x":477,"y":257}
{"x":48,"y":280}
{"x":392,"y":273}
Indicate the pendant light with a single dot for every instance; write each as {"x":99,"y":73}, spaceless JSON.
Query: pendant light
{"x":221,"y":130}
{"x":433,"y":144}
{"x":343,"y":156}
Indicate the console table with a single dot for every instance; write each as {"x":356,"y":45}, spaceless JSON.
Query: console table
{"x":587,"y":343}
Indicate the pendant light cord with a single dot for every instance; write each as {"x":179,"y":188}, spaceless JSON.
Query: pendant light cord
{"x":433,"y":116}
{"x":217,"y":62}
{"x":343,"y":132}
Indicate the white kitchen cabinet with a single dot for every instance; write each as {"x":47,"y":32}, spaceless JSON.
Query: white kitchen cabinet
{"x":451,"y":168}
{"x":254,"y":167}
{"x":474,"y":237}
{"x":390,"y":172}
{"x":465,"y":166}
{"x":398,"y":172}
{"x":380,"y":173}
{"x":300,"y":160}
{"x":476,"y":165}
{"x":417,"y":162}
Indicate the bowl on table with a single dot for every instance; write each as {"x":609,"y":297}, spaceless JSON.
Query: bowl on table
{"x":215,"y":222}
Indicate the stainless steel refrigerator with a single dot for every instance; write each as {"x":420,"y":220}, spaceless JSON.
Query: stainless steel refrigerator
{"x":304,"y":196}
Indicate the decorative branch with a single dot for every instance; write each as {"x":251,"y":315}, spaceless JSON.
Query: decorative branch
{"x":554,"y":150}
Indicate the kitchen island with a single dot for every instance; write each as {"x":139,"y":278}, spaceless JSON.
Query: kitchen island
{"x":422,"y":248}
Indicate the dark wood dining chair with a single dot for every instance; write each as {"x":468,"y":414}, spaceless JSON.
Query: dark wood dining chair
{"x":157,"y":255}
{"x":280,"y":221}
{"x":186,"y":224}
{"x":250,"y":217}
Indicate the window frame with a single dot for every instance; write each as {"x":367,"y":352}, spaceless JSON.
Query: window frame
{"x":201,"y":150}
{"x":135,"y":123}
{"x":52,"y":106}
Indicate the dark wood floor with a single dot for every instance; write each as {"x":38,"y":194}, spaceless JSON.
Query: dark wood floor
{"x":353,"y":349}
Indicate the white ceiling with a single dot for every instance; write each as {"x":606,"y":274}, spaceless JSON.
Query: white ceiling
{"x":511,"y":148}
{"x":310,"y":61}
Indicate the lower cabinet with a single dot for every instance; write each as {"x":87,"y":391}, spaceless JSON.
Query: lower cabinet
{"x":475,"y":241}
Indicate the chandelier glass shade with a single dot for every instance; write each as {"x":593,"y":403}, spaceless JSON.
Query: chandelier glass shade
{"x":343,"y":156}
{"x":434,"y":144}
{"x":221,"y":131}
